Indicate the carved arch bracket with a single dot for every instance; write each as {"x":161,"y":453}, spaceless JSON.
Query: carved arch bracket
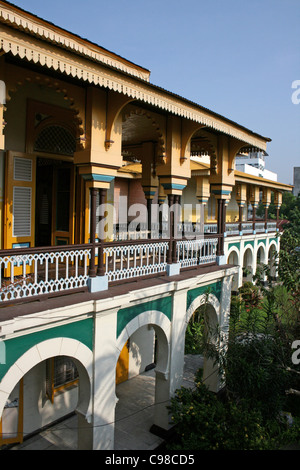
{"x":206,"y":143}
{"x":114,"y":105}
{"x":17,"y":78}
{"x":234,"y":147}
{"x":188,"y":129}
{"x":161,"y":157}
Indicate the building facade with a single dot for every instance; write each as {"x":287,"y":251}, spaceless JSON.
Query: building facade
{"x":254,"y":163}
{"x":96,"y":284}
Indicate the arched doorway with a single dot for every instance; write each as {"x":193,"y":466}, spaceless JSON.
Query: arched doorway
{"x":49,"y":387}
{"x":137,"y":355}
{"x":207,"y":308}
{"x":233,"y":258}
{"x":272,"y":261}
{"x":260,"y":262}
{"x":148,"y":366}
{"x":248,"y":265}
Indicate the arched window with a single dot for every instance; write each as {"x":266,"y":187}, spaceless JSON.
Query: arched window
{"x":57,"y":140}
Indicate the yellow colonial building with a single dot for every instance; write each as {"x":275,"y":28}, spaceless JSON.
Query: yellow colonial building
{"x":111,"y":230}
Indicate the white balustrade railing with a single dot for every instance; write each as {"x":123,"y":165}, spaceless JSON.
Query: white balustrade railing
{"x":260,"y":227}
{"x":210,"y":228}
{"x":135,"y":260}
{"x":25,"y":274}
{"x":247,"y":227}
{"x":195,"y":252}
{"x":233,"y":229}
{"x":271,"y":226}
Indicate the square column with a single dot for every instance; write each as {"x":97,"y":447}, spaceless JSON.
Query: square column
{"x":104,"y":394}
{"x":97,"y":280}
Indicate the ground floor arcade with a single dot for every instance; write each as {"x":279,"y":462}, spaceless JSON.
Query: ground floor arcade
{"x":92,"y":335}
{"x":248,"y":252}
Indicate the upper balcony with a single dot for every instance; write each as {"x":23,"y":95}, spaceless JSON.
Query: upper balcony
{"x":90,"y":130}
{"x":28,"y":274}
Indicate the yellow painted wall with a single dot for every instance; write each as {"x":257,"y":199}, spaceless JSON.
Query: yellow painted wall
{"x":123,"y":365}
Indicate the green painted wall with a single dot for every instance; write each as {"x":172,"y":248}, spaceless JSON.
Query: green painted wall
{"x":249,"y":242}
{"x":164,"y":305}
{"x":125,"y":315}
{"x":236,"y":244}
{"x":214,"y":289}
{"x":16,"y":347}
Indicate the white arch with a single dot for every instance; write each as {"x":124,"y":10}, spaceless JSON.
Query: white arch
{"x":200,"y":300}
{"x":162,"y":326}
{"x":81,"y":354}
{"x":237,"y":277}
{"x":272,"y":243}
{"x":263,"y":246}
{"x":270,"y":261}
{"x":151,"y":318}
{"x":248,"y":246}
{"x":210,"y":369}
{"x":235,"y":250}
{"x":248,"y":262}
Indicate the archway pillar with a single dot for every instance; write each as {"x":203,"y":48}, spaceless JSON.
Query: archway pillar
{"x":161,"y":420}
{"x":211,"y":373}
{"x":104,"y":392}
{"x":177,"y":341}
{"x":167,"y":382}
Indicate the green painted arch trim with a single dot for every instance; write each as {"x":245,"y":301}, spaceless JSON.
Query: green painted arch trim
{"x":214,"y":289}
{"x":125,"y":315}
{"x":81,"y":331}
{"x":236,"y":245}
{"x":250,"y":242}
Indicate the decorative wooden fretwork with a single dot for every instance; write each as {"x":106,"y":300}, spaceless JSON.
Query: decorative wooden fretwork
{"x":57,"y":140}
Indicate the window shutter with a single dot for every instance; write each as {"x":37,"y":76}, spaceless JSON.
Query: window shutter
{"x":19,"y":200}
{"x":22,"y":200}
{"x":22,"y":169}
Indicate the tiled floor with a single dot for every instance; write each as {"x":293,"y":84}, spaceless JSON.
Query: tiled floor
{"x":134,"y":413}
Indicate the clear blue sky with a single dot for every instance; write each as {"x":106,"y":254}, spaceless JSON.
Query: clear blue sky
{"x":235,"y":57}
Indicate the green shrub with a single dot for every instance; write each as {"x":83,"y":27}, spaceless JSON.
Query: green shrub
{"x":203,"y":422}
{"x":193,"y":338}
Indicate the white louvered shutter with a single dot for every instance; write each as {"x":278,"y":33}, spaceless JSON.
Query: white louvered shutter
{"x":20,"y":200}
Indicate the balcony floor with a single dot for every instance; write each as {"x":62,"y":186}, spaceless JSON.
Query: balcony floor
{"x":9,"y":311}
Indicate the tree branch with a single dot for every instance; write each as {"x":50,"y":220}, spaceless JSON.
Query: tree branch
{"x":292,"y":370}
{"x":292,"y":391}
